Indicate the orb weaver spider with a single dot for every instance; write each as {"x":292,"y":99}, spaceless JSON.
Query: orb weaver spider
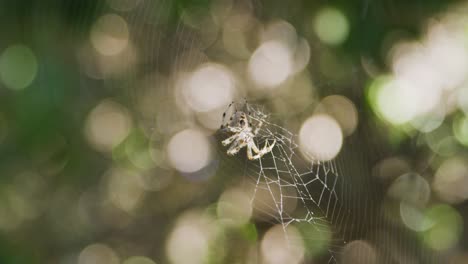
{"x":244,"y":135}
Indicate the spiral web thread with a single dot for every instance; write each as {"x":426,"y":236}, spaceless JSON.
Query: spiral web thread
{"x":288,"y":177}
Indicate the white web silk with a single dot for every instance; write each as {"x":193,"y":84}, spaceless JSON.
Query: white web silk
{"x":286,"y":176}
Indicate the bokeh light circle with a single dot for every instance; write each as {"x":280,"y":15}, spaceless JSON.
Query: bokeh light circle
{"x":397,"y":101}
{"x":331,"y":26}
{"x":209,"y":87}
{"x":451,"y":180}
{"x":411,"y":188}
{"x":190,"y":240}
{"x":358,"y":250}
{"x":18,"y":67}
{"x":320,"y":137}
{"x":390,"y":168}
{"x":428,"y":122}
{"x":234,"y":207}
{"x":108,"y":124}
{"x":270,"y":64}
{"x":446,"y":226}
{"x":189,"y":151}
{"x":413,"y":217}
{"x":124,"y":189}
{"x":98,"y":253}
{"x":342,"y":109}
{"x":109,"y":35}
{"x":277,"y":249}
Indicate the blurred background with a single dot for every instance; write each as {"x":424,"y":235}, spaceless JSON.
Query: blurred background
{"x":110,"y":109}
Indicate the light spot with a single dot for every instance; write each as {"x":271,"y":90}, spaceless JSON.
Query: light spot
{"x":331,"y":26}
{"x":359,"y":252}
{"x":282,"y":246}
{"x":415,"y":91}
{"x":209,"y":87}
{"x":124,"y":189}
{"x":271,"y":64}
{"x":446,"y":52}
{"x":136,"y":149}
{"x":189,"y":151}
{"x":424,"y":75}
{"x":441,"y":141}
{"x":190,"y":239}
{"x":397,"y":101}
{"x":391,"y":168}
{"x":316,"y":237}
{"x":187,"y":244}
{"x":451,"y":180}
{"x":109,"y":34}
{"x":234,"y":207}
{"x":285,"y":33}
{"x":410,"y":188}
{"x":107,"y":125}
{"x":429,"y":121}
{"x":301,"y":55}
{"x":110,"y":67}
{"x":413,"y":217}
{"x":280,"y":31}
{"x":446,"y":227}
{"x":320,"y":138}
{"x":412,"y":65}
{"x":18,"y":67}
{"x":342,"y":109}
{"x":98,"y":253}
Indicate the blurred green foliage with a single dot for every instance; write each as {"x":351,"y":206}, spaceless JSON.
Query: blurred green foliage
{"x":42,"y":125}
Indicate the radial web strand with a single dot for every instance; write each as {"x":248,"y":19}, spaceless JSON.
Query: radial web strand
{"x":298,"y":191}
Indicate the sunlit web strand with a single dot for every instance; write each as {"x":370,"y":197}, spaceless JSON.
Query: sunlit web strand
{"x":284,"y":168}
{"x":287,"y":152}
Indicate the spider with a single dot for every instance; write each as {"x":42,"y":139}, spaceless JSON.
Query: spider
{"x":244,"y":135}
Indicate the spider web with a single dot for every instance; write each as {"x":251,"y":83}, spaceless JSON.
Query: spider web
{"x":288,"y":178}
{"x":282,"y":174}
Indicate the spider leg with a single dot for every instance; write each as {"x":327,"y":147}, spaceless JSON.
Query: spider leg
{"x":236,"y":147}
{"x":229,"y":140}
{"x":231,"y":129}
{"x":249,"y":151}
{"x":270,"y":147}
{"x":254,"y":147}
{"x":259,"y":125}
{"x":234,"y":129}
{"x":259,"y":153}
